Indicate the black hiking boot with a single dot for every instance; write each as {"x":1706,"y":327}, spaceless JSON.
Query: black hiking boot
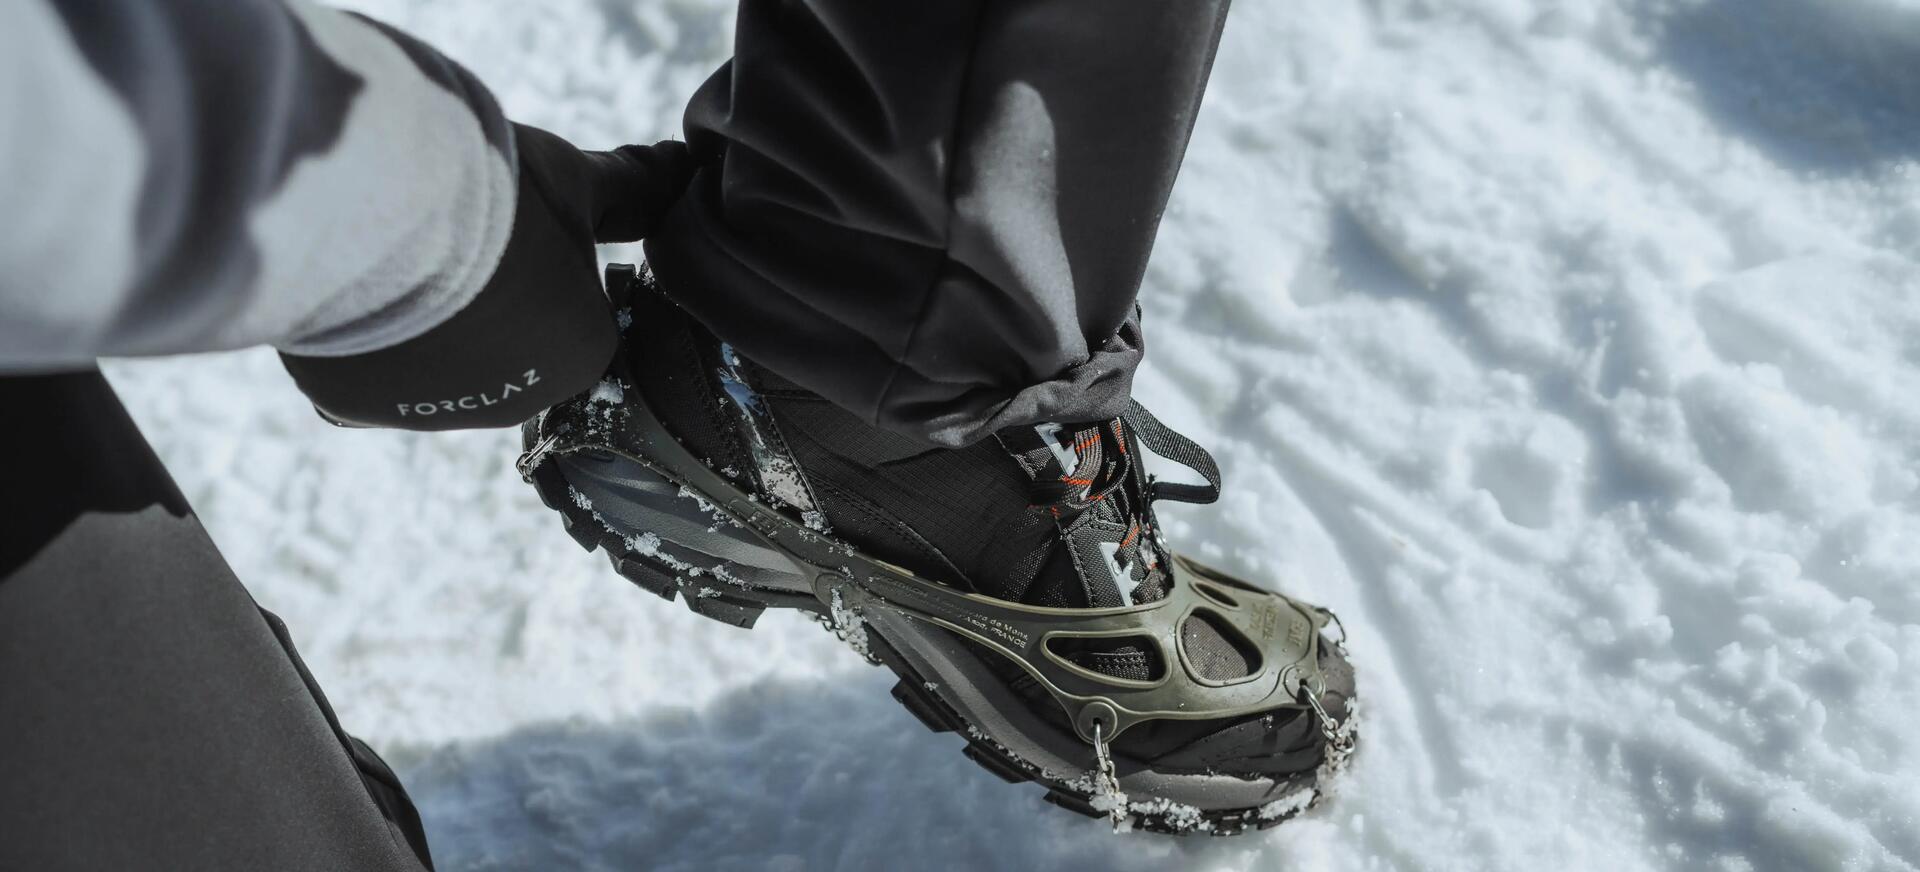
{"x":1019,"y":587}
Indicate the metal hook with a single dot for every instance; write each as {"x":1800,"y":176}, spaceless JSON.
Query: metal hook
{"x":531,"y":458}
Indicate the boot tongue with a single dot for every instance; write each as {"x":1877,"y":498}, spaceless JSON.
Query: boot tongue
{"x":1088,"y":487}
{"x":1089,"y":492}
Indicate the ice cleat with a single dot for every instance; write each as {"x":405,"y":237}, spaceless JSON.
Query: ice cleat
{"x":1019,"y":587}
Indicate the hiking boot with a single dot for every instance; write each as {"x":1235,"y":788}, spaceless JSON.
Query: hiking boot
{"x":1019,"y":587}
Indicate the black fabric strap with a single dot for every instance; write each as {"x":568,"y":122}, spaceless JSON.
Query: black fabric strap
{"x":1162,"y":440}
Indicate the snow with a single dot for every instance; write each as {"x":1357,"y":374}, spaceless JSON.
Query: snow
{"x":1568,"y":349}
{"x":846,"y":623}
{"x":608,"y":391}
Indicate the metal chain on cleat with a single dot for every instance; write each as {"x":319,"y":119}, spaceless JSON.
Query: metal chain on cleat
{"x":1109,"y":782}
{"x":1338,"y":740}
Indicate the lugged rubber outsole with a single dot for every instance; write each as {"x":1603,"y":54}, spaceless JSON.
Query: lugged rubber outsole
{"x":740,"y":605}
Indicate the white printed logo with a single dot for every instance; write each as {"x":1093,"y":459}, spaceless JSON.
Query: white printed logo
{"x":1063,"y":451}
{"x":1122,"y":579}
{"x":470,"y":401}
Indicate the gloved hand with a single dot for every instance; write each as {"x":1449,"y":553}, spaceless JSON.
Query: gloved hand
{"x":540,"y":330}
{"x":614,"y":196}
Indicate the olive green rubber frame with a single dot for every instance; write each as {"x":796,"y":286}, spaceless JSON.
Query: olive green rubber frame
{"x":1285,"y":634}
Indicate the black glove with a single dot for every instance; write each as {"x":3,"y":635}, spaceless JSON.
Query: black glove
{"x":540,"y":331}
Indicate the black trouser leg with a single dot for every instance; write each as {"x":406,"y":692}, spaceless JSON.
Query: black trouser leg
{"x":937,"y":214}
{"x":151,"y":715}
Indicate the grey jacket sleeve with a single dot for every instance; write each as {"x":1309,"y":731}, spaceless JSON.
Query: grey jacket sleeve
{"x":196,"y":175}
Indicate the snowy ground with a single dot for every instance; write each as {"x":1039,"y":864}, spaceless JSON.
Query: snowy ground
{"x":1569,"y":349}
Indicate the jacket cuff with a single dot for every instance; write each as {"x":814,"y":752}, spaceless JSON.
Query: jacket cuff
{"x":539,"y":332}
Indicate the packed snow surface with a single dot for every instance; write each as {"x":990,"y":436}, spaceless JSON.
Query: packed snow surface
{"x":1570,"y":350}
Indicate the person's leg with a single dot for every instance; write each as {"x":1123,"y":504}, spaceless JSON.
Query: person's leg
{"x":151,"y":715}
{"x":937,"y":215}
{"x":930,"y":220}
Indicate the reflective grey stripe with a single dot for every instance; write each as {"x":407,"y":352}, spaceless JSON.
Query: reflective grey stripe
{"x":241,"y":172}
